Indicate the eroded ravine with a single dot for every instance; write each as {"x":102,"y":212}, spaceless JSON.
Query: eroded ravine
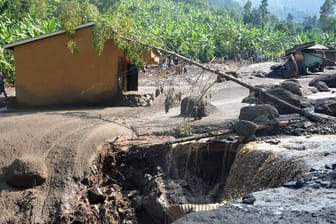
{"x":156,"y":182}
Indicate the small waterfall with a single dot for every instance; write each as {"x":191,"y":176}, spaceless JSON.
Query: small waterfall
{"x":225,"y":163}
{"x":192,"y":153}
{"x":229,"y":149}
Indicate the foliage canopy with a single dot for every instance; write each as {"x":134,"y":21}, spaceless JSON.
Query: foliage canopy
{"x":190,"y":28}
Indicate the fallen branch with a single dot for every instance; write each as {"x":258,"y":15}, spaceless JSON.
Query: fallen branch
{"x":228,"y":132}
{"x":310,"y":116}
{"x":202,"y":136}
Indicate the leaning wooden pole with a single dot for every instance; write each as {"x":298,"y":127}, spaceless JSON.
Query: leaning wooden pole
{"x":295,"y":109}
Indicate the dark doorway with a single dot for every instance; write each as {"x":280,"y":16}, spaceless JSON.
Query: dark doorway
{"x":132,"y":77}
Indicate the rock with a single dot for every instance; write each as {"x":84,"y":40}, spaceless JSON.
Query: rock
{"x":327,"y":107}
{"x":275,"y":67}
{"x":157,"y":92}
{"x":220,"y":78}
{"x":260,"y":75}
{"x":312,"y":170}
{"x":321,"y":86}
{"x":96,"y":196}
{"x":307,"y":91}
{"x":233,"y":73}
{"x":314,"y":185}
{"x":250,"y":99}
{"x":325,"y":184}
{"x":292,"y":86}
{"x":26,"y":172}
{"x":313,"y":89}
{"x":191,"y":106}
{"x":299,"y":132}
{"x":329,"y":80}
{"x":273,"y":141}
{"x":294,"y":184}
{"x":248,"y":199}
{"x":254,"y":97}
{"x":245,"y":128}
{"x":290,"y":184}
{"x":330,"y":67}
{"x":283,"y":93}
{"x":262,"y":112}
{"x":296,"y":100}
{"x":327,"y":166}
{"x":333,"y":166}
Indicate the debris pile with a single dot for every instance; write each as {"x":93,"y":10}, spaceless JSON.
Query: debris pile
{"x":287,"y":70}
{"x":100,"y":198}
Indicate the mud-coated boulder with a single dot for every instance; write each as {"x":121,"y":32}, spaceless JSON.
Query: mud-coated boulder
{"x":329,"y":80}
{"x":327,"y":107}
{"x":192,"y":106}
{"x":259,"y":113}
{"x":292,"y":86}
{"x":26,"y":172}
{"x":254,"y":97}
{"x":289,"y":97}
{"x":245,"y":128}
{"x":331,"y":67}
{"x":312,"y":89}
{"x":320,"y":86}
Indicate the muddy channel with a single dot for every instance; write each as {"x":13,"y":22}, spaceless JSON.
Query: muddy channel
{"x":160,"y":182}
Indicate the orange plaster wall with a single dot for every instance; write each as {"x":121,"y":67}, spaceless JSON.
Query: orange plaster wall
{"x":48,"y":74}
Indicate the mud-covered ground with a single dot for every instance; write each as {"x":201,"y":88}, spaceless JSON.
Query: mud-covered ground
{"x":69,"y":139}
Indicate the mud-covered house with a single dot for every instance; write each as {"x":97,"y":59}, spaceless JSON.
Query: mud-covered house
{"x":47,"y":73}
{"x":312,"y":57}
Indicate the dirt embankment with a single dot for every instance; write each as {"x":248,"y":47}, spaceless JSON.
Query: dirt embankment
{"x":66,"y":140}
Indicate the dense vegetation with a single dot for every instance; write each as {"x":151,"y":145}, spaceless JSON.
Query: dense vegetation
{"x":189,"y":27}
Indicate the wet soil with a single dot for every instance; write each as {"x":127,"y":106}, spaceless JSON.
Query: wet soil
{"x":94,"y":154}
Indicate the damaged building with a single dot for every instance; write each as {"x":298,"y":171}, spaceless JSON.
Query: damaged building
{"x":311,"y":56}
{"x":304,"y":59}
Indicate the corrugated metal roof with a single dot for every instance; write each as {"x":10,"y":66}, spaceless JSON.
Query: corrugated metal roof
{"x":12,"y":45}
{"x":318,"y":47}
{"x":299,"y":47}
